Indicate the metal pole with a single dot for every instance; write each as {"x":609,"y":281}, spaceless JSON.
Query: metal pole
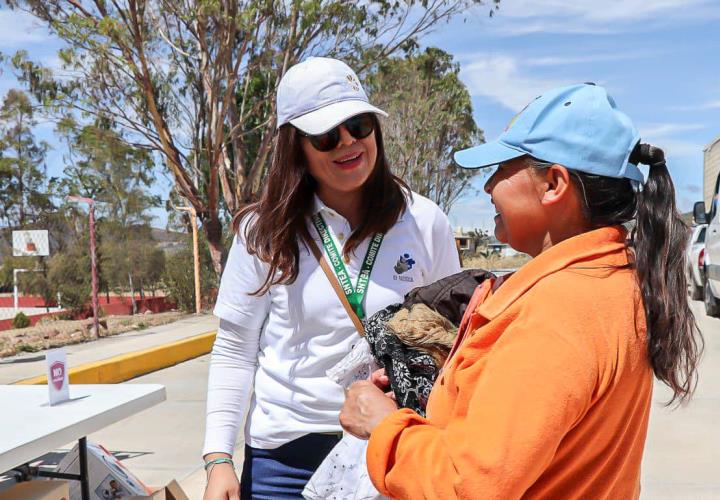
{"x":196,"y":259}
{"x":84,"y":477}
{"x":93,"y":265}
{"x":16,"y":299}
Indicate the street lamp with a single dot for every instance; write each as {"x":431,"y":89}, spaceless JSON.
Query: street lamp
{"x":196,"y":252}
{"x":93,"y":260}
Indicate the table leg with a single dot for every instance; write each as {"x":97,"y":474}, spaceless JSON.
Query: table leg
{"x":84,"y":478}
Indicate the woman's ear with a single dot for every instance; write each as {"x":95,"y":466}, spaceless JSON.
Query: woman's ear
{"x":558,"y":186}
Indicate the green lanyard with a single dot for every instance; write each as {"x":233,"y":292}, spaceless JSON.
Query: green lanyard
{"x":354,"y":295}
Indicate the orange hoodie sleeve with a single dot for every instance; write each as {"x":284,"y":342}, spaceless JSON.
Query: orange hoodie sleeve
{"x":506,"y":412}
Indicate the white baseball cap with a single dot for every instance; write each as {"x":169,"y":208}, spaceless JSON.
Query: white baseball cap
{"x":320,"y":93}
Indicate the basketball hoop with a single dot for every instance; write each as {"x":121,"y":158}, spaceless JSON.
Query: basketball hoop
{"x":31,"y":243}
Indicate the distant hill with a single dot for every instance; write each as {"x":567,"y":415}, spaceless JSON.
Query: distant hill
{"x":688,"y":218}
{"x":169,"y":241}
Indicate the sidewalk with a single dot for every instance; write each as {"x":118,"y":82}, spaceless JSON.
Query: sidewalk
{"x":165,"y":442}
{"x":28,"y":365}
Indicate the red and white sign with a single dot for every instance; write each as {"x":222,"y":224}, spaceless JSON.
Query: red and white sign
{"x":57,"y":376}
{"x":57,"y":372}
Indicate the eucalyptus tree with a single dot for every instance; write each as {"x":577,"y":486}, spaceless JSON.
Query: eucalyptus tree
{"x":195,"y":79}
{"x":22,"y":163}
{"x":431,"y":116}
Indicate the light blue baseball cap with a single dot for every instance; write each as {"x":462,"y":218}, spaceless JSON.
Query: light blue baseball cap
{"x":578,"y":126}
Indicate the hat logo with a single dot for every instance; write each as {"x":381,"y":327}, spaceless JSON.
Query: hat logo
{"x":512,"y":122}
{"x":353,"y":83}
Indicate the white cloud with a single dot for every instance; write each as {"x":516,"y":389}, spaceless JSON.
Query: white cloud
{"x":18,"y":29}
{"x":521,"y":17}
{"x":562,"y":61}
{"x":667,"y":137}
{"x":677,"y":147}
{"x":499,"y":77}
{"x":668,"y":129}
{"x":697,"y":107}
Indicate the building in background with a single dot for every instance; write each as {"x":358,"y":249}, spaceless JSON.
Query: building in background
{"x":469,"y":241}
{"x":711,"y":170}
{"x":477,"y":241}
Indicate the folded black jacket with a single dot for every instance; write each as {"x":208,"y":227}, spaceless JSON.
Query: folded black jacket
{"x":412,"y":371}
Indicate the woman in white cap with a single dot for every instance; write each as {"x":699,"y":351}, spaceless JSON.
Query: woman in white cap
{"x":282,"y":324}
{"x":547,"y":391}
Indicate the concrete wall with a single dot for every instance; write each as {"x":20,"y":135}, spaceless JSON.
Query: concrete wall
{"x":711,"y":169}
{"x":116,"y":306}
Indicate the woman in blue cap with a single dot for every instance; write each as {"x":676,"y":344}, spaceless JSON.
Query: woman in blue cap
{"x":547,"y":391}
{"x":282,"y":324}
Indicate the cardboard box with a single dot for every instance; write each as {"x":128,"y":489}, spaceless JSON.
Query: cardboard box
{"x":172,"y":491}
{"x":109,"y":479}
{"x":38,"y":490}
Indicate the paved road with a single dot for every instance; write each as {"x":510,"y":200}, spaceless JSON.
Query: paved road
{"x":682,"y":457}
{"x":26,"y":365}
{"x":682,"y":454}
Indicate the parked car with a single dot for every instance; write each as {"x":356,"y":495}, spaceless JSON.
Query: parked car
{"x":711,"y":290}
{"x":695,"y":258}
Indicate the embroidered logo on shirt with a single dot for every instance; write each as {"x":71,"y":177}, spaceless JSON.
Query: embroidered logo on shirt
{"x":404,"y":264}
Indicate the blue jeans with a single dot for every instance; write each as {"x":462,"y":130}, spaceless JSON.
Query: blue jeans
{"x":283,"y":472}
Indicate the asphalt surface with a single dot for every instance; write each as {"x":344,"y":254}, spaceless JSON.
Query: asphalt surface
{"x":682,"y":456}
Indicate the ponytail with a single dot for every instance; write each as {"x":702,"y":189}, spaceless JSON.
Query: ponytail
{"x":660,"y":238}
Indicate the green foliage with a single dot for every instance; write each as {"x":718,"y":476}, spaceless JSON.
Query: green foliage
{"x":22,"y":171}
{"x":69,"y":275}
{"x":103,"y":167}
{"x":28,"y":348}
{"x":196,"y":83}
{"x":430,"y":117}
{"x":129,"y":253}
{"x":20,"y":320}
{"x":179,"y":277}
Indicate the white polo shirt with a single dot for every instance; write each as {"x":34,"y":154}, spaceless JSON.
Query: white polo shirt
{"x":301,"y":330}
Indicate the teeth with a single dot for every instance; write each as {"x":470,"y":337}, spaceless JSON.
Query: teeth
{"x":349,"y":159}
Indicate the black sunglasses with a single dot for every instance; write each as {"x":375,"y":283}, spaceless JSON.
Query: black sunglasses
{"x":358,"y":126}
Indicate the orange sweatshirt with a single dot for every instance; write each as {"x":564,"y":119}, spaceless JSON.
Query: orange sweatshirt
{"x":548,"y":395}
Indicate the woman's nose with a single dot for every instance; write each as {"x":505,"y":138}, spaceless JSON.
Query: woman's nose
{"x":488,"y":187}
{"x":345,"y":137}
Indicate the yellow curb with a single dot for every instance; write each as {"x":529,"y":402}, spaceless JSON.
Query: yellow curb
{"x":134,"y":364}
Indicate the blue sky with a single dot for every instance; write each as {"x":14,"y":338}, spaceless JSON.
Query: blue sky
{"x":660,"y":60}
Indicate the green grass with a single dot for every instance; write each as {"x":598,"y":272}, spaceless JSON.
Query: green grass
{"x":28,"y":348}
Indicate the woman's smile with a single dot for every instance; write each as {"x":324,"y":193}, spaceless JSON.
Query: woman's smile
{"x":349,"y":161}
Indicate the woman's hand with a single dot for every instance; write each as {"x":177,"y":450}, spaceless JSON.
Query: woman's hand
{"x":380,"y":379}
{"x":365,"y":406}
{"x":222,"y":483}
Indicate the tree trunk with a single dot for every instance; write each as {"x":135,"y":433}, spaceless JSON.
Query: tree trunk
{"x":213,"y":233}
{"x":132,"y":294}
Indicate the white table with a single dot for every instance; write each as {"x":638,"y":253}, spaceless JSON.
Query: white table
{"x":30,"y":427}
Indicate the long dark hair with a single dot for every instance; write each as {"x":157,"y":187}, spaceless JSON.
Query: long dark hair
{"x":658,"y":241}
{"x":278,"y":220}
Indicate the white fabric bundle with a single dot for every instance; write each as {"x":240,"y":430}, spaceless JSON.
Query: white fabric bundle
{"x":343,"y":474}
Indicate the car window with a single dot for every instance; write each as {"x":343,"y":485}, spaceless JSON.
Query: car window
{"x":701,"y":236}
